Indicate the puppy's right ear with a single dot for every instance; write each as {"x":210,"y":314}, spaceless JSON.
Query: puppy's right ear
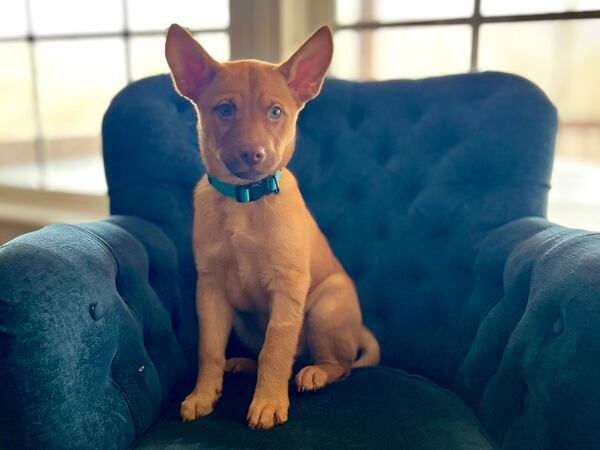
{"x":191,"y":66}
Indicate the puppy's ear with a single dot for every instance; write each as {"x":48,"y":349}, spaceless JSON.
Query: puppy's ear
{"x":191,"y":66}
{"x":304,"y":70}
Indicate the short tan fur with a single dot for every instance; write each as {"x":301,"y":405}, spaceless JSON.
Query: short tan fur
{"x":266,"y":259}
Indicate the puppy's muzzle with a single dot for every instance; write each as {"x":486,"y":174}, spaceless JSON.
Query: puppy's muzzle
{"x":249,"y":162}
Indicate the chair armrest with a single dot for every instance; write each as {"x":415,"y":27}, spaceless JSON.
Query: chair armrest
{"x":531,"y":371}
{"x":89,"y":355}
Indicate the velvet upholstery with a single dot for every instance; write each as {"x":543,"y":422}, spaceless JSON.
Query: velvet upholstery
{"x":433,"y":195}
{"x":376,"y":408}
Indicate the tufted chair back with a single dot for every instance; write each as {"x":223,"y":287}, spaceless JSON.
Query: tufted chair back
{"x":405,"y":178}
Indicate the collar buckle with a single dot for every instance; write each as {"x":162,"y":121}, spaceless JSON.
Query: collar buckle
{"x":249,"y":192}
{"x":242,"y":194}
{"x":254,"y":191}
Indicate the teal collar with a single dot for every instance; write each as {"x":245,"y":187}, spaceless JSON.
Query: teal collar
{"x":247,"y":193}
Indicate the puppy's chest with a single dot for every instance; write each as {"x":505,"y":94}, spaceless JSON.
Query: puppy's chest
{"x":240,"y":254}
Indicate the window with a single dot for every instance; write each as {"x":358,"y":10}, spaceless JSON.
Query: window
{"x":555,"y":43}
{"x":67,"y":59}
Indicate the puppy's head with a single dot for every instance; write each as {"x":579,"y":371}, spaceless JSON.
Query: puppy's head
{"x":247,"y":110}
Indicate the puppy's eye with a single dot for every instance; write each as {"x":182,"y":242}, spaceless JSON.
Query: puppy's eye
{"x":275,"y":112}
{"x":225,"y":110}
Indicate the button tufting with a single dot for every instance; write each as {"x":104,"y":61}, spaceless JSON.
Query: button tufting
{"x":356,"y":117}
{"x":93,"y":312}
{"x":414,"y":275}
{"x":355,"y":193}
{"x":385,"y":150}
{"x":412,"y":190}
{"x":327,"y":151}
{"x":382,"y":232}
{"x":355,"y":272}
{"x":409,"y":186}
{"x":559,"y":326}
{"x":141,"y":369}
{"x":527,"y":401}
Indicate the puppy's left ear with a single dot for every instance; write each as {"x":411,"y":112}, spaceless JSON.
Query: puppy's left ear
{"x":304,"y":70}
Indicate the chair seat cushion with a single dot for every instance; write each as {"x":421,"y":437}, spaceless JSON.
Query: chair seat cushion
{"x":374,"y":408}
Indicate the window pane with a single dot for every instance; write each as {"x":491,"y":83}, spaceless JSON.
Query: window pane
{"x":352,"y":11}
{"x":76,"y":16}
{"x":412,"y":52}
{"x":216,"y":44}
{"x":17,"y":125}
{"x":401,"y":52}
{"x":13,"y":20}
{"x":147,"y":56}
{"x":76,"y":80}
{"x":74,"y":165}
{"x":346,"y":61}
{"x":18,"y":164}
{"x":16,"y":107}
{"x":395,"y":11}
{"x":505,"y":7}
{"x":562,"y":57}
{"x":348,"y":12}
{"x":148,"y":52}
{"x":159,"y":14}
{"x":574,"y":200}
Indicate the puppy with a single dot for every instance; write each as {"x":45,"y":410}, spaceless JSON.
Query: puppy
{"x":264,"y":267}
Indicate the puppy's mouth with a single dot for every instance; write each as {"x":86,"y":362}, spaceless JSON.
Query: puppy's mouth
{"x":250,"y":175}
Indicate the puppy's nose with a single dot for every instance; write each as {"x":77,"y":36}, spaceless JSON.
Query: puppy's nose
{"x":252,"y":156}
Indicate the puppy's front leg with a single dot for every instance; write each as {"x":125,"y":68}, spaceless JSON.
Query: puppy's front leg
{"x":271,"y":402}
{"x":215,"y":317}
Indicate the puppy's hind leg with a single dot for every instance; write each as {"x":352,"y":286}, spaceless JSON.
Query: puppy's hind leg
{"x":333,"y":327}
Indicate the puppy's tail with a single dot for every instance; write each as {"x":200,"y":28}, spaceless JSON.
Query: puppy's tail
{"x":369,"y":348}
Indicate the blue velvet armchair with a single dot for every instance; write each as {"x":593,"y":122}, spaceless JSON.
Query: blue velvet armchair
{"x":433,"y":195}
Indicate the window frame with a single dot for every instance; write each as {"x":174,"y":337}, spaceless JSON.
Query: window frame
{"x":31,"y":38}
{"x":24,"y":209}
{"x":475,"y":20}
{"x":289,"y":22}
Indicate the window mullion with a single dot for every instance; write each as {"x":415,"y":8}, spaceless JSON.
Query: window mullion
{"x":126,"y":42}
{"x":475,"y":24}
{"x":40,"y":147}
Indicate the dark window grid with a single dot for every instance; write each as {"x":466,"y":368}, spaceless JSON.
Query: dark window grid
{"x":475,"y":21}
{"x":32,"y":38}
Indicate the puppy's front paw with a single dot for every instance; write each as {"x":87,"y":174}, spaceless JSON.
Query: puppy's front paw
{"x":265,"y":413}
{"x":197,"y":405}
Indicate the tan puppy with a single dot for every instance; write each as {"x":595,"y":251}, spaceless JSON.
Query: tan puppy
{"x":264,"y":267}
